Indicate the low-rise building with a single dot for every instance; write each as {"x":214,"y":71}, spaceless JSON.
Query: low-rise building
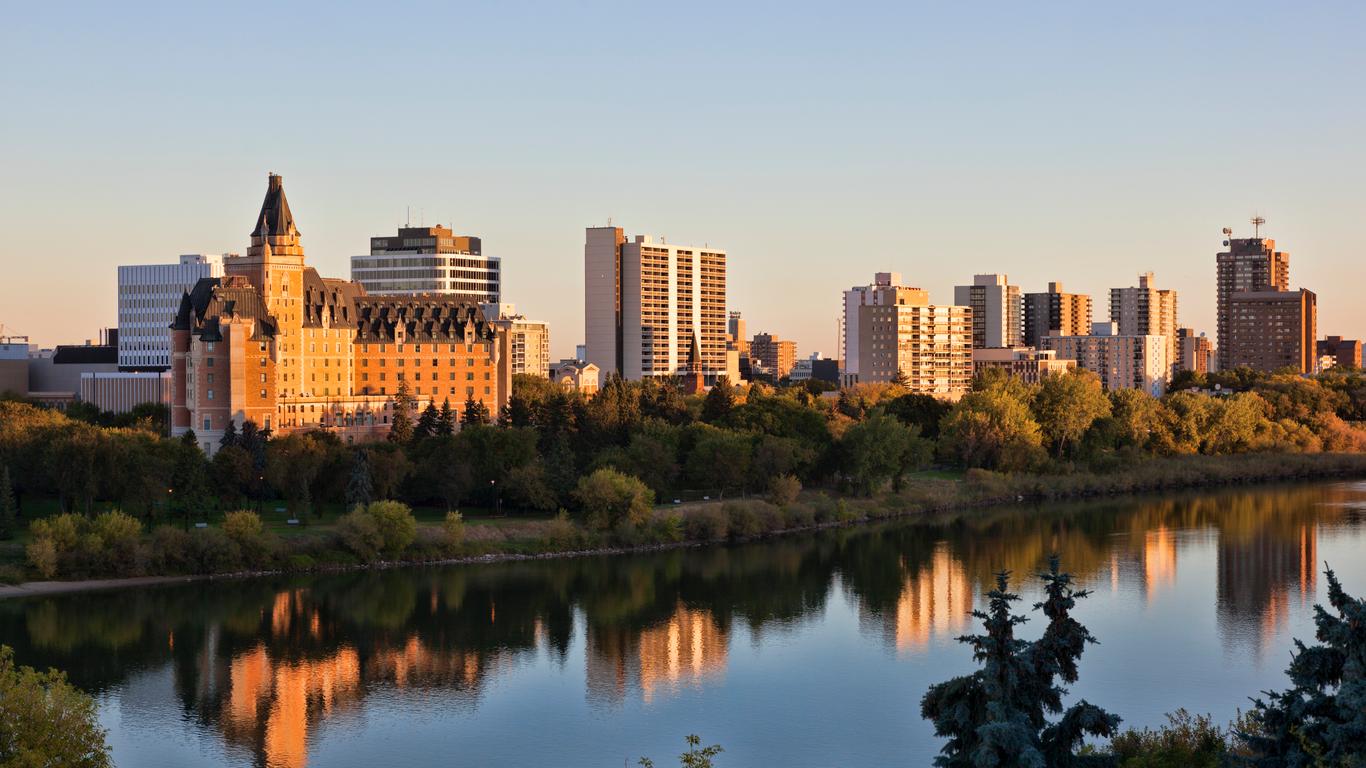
{"x":121,"y":391}
{"x":1122,"y":362}
{"x":1342,"y":352}
{"x":576,"y":375}
{"x":1027,"y":364}
{"x":1193,"y":352}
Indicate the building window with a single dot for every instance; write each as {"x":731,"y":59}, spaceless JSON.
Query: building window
{"x":209,"y":394}
{"x":208,"y":423}
{"x":208,"y":360}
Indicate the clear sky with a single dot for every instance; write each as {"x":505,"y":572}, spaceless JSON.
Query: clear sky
{"x":1083,"y":142}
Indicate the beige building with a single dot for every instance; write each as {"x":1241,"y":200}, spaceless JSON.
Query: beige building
{"x":772,"y":356}
{"x":1193,"y":352}
{"x":854,"y":299}
{"x":121,"y":391}
{"x":529,"y":340}
{"x":576,"y":375}
{"x":1024,"y":363}
{"x":646,"y":301}
{"x":1250,"y":265}
{"x":997,"y":310}
{"x":1057,"y":313}
{"x":1145,"y":310}
{"x":1271,"y":330}
{"x":931,"y":346}
{"x":1122,"y":362}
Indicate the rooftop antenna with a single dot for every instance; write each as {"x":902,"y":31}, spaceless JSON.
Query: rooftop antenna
{"x":1257,"y":222}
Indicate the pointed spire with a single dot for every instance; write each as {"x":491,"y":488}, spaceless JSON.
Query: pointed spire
{"x":275,"y":214}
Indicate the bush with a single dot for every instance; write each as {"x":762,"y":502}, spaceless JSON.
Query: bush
{"x":561,"y":533}
{"x":360,"y":534}
{"x":799,"y":516}
{"x":114,"y":543}
{"x":396,"y":525}
{"x":211,"y":551}
{"x":63,"y":530}
{"x":708,"y":523}
{"x":42,"y":555}
{"x":610,"y":498}
{"x":783,"y":489}
{"x":244,"y":527}
{"x":11,"y":574}
{"x":46,"y":720}
{"x":299,"y":562}
{"x":169,"y":551}
{"x":454,"y":526}
{"x":1185,"y":742}
{"x":744,"y":522}
{"x":667,"y":528}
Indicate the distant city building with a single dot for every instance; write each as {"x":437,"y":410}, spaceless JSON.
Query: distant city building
{"x":54,"y":376}
{"x":1145,"y":310}
{"x":815,"y":368}
{"x":997,"y":310}
{"x":900,"y":332}
{"x":120,"y":391}
{"x":1194,"y":352}
{"x":529,"y":340}
{"x":149,"y":295}
{"x":855,"y":298}
{"x":576,"y":375}
{"x":1122,"y":362}
{"x":275,"y":343}
{"x":1055,"y":313}
{"x":645,"y":302}
{"x":14,"y":351}
{"x":772,"y":356}
{"x":429,"y":260}
{"x":1344,"y":353}
{"x":1250,"y":265}
{"x":1027,"y":364}
{"x":1271,"y":330}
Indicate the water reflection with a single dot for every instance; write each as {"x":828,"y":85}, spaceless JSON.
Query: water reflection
{"x":264,"y":663}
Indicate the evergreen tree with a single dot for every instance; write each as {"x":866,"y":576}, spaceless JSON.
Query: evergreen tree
{"x":900,"y":380}
{"x":1321,"y":718}
{"x":719,"y":401}
{"x":401,"y":426}
{"x":9,"y":511}
{"x":360,"y":488}
{"x":475,"y":413}
{"x":229,"y":434}
{"x":998,"y":714}
{"x":426,"y":423}
{"x":445,"y":420}
{"x":190,"y":439}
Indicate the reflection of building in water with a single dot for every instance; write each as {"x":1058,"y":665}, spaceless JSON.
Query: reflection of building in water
{"x":1159,"y":559}
{"x":1261,"y":575}
{"x":935,"y":601}
{"x":687,"y":648}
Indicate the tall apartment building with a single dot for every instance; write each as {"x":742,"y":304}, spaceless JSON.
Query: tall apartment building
{"x":855,"y":298}
{"x":429,"y":260}
{"x":899,"y":330}
{"x":1341,"y":352}
{"x":529,"y":340}
{"x":1145,"y":310}
{"x":1122,"y":362}
{"x":1249,"y":265}
{"x":149,"y":295}
{"x":274,"y":342}
{"x":772,"y":355}
{"x":997,"y":311}
{"x":646,"y":301}
{"x":1271,"y":330}
{"x":1055,"y":313}
{"x":1193,"y":352}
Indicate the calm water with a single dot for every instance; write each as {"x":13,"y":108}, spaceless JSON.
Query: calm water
{"x":810,"y":651}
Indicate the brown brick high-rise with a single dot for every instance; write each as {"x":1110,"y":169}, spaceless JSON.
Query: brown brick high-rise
{"x":1249,"y":264}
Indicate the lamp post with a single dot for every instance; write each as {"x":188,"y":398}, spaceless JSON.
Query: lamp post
{"x":497,"y":499}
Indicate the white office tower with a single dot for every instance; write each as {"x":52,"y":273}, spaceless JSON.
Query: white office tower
{"x":149,"y":295}
{"x":859,"y":296}
{"x":997,"y":311}
{"x":646,"y":301}
{"x":429,"y":260}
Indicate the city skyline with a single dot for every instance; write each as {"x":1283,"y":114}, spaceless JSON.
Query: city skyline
{"x":1045,"y":147}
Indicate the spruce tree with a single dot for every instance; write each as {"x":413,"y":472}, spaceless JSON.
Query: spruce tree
{"x":445,"y":420}
{"x":475,"y":413}
{"x":401,"y":426}
{"x":360,"y":487}
{"x":9,"y":511}
{"x":900,"y":380}
{"x":719,"y":401}
{"x":426,"y":423}
{"x":1321,"y":718}
{"x":229,"y":435}
{"x":998,"y":715}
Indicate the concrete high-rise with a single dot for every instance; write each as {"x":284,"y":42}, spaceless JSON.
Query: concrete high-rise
{"x":900,"y":332}
{"x":149,"y":295}
{"x":1193,"y":352}
{"x":1055,"y":313}
{"x":528,"y":342}
{"x":1121,"y":361}
{"x":1145,"y":310}
{"x":645,"y":302}
{"x":772,"y":356}
{"x":1250,"y":264}
{"x":997,"y":311}
{"x":855,"y":298}
{"x":429,"y":260}
{"x":1272,"y":330}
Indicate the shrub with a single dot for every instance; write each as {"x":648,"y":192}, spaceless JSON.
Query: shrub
{"x":244,"y":527}
{"x":42,"y":555}
{"x":708,"y":523}
{"x":113,"y":542}
{"x":360,"y":534}
{"x":454,"y":526}
{"x":299,"y":562}
{"x":827,"y":511}
{"x":211,"y":551}
{"x":799,"y":516}
{"x":744,"y":522}
{"x":1185,"y":742}
{"x":666,"y":528}
{"x":610,"y":498}
{"x":169,"y":551}
{"x":63,"y":530}
{"x":46,"y":720}
{"x":11,"y":574}
{"x":396,"y":525}
{"x":561,"y":533}
{"x":783,"y":489}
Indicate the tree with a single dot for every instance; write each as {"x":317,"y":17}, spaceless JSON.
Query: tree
{"x":1321,"y":718}
{"x":9,"y":511}
{"x":360,"y":489}
{"x":610,"y":499}
{"x":900,"y":380}
{"x":720,"y":458}
{"x":1066,"y":405}
{"x":229,"y":435}
{"x":718,"y":402}
{"x":426,"y":423}
{"x":881,"y":448}
{"x":475,"y":413}
{"x":445,"y":420}
{"x":924,"y":411}
{"x":45,"y":721}
{"x":997,"y":715}
{"x":401,"y":425}
{"x":993,"y":428}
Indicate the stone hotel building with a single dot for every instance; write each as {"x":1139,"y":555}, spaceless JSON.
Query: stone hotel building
{"x":274,"y":342}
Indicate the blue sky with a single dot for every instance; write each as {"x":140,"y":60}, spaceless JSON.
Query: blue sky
{"x":1081,"y":142}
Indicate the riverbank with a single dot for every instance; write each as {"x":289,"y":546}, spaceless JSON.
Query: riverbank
{"x":703,"y":523}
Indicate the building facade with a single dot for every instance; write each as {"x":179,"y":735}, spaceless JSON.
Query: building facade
{"x":1250,"y":265}
{"x":429,"y":260}
{"x":772,"y":356}
{"x":149,"y":295}
{"x":854,"y":299}
{"x":529,"y":340}
{"x":997,"y":310}
{"x":273,"y":342}
{"x":576,"y":375}
{"x":930,"y":346}
{"x":121,"y":391}
{"x":1193,"y":352}
{"x":1122,"y":362}
{"x":646,"y":301}
{"x":1145,"y":310}
{"x":1344,"y":353}
{"x":14,"y":365}
{"x":1027,"y":364}
{"x":1272,"y":330}
{"x":1056,"y":313}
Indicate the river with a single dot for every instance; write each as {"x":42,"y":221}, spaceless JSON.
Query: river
{"x":807,"y":650}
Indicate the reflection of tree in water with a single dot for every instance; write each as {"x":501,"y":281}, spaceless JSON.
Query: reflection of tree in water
{"x":265,"y":661}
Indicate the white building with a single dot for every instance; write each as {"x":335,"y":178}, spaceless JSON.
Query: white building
{"x":149,"y":295}
{"x":429,"y":260}
{"x":645,"y":302}
{"x":529,"y":339}
{"x":997,"y":311}
{"x":1122,"y":362}
{"x":1146,"y":310}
